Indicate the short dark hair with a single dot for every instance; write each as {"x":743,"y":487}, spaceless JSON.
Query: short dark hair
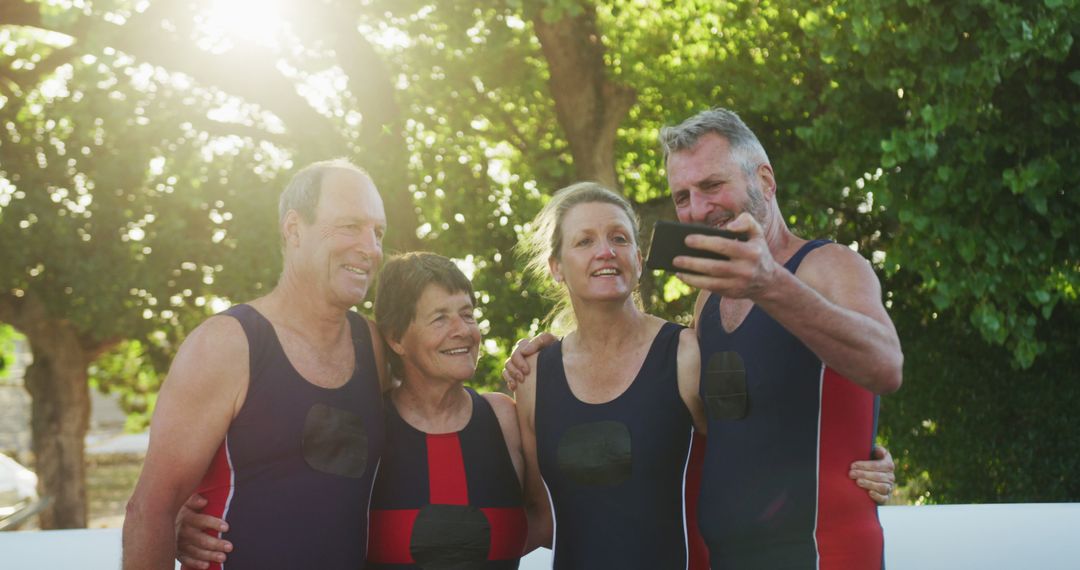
{"x":402,"y":281}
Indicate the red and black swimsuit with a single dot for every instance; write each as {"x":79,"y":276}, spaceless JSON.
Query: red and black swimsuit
{"x":783,"y":431}
{"x":446,"y":500}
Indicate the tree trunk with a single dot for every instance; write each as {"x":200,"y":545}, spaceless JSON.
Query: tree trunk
{"x":588,"y":104}
{"x":60,"y":408}
{"x":57,"y":382}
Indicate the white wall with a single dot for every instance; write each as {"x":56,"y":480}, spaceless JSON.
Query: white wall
{"x":987,"y":537}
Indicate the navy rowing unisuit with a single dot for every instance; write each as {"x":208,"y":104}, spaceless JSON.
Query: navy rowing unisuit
{"x":294,"y":474}
{"x":615,"y":471}
{"x":783,"y":431}
{"x":447,"y":500}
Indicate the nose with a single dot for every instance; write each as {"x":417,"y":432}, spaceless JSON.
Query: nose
{"x":607,"y":251}
{"x":460,"y":327}
{"x":700,"y":207}
{"x":369,"y":243}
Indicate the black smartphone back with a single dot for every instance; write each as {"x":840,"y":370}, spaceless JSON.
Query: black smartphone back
{"x":668,"y":241}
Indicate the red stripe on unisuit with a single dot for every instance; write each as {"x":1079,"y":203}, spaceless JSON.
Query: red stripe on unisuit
{"x":215,"y":487}
{"x":508,"y":532}
{"x":390,"y":534}
{"x":446,"y":470}
{"x":699,"y":552}
{"x":848,"y":531}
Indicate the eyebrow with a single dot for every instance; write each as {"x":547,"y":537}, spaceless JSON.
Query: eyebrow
{"x":715,"y":177}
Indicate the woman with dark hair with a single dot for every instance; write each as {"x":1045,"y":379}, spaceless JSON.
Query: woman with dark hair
{"x":449,"y":489}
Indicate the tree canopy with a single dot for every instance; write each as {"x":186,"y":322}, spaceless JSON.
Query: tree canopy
{"x":143,"y":145}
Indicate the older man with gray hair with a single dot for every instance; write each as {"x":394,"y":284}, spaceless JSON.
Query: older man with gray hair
{"x":272,"y":409}
{"x":795,"y":346}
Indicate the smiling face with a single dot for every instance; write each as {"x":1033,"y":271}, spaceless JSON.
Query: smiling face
{"x":442,"y":342}
{"x":599,"y":259}
{"x":709,"y":186}
{"x":341,"y":250}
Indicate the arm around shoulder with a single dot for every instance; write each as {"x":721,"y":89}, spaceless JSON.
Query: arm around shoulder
{"x":205,"y":387}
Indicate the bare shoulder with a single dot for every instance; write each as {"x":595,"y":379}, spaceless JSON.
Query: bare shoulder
{"x":505,"y":411}
{"x":218,"y":340}
{"x":834,"y":266}
{"x":214,"y":357}
{"x":688,"y":342}
{"x":501,"y":403}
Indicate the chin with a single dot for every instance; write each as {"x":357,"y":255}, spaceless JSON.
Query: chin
{"x":609,"y":296}
{"x":353,"y":298}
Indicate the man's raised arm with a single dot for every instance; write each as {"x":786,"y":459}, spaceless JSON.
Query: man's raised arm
{"x":832,"y":304}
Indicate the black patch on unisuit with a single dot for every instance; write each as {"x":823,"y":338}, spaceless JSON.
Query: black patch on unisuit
{"x":335,"y":441}
{"x":450,"y":537}
{"x":597,"y":453}
{"x":724,"y":387}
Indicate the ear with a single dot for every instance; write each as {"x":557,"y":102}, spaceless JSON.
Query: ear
{"x":768,"y":181}
{"x":556,"y":269}
{"x":290,"y":228}
{"x":396,"y":346}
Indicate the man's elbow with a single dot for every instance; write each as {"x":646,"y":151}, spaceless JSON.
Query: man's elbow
{"x":891,"y":374}
{"x":134,"y":511}
{"x":142,"y":513}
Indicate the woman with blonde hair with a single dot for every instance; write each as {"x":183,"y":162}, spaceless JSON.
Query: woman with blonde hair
{"x":607,"y":414}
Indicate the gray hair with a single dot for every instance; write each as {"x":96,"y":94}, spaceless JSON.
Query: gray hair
{"x":303,"y":191}
{"x":545,"y":239}
{"x":745,"y":146}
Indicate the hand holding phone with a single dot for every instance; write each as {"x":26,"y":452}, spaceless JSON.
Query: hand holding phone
{"x":669,"y":242}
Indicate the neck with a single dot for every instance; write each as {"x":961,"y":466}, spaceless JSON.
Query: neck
{"x":602,"y":325}
{"x":778,"y":236}
{"x":292,"y":305}
{"x":432,"y":407}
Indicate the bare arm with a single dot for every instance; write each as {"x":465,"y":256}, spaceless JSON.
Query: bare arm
{"x":689,"y":366}
{"x":541,"y":527}
{"x":833,"y":303}
{"x":205,"y":388}
{"x":537,"y":511}
{"x":506,"y":412}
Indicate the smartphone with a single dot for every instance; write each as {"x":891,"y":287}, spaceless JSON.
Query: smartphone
{"x":668,"y":242}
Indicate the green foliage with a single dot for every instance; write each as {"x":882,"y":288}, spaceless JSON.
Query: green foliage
{"x":131,"y":370}
{"x":123,"y":210}
{"x":975,"y":122}
{"x":7,"y":348}
{"x":985,"y":431}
